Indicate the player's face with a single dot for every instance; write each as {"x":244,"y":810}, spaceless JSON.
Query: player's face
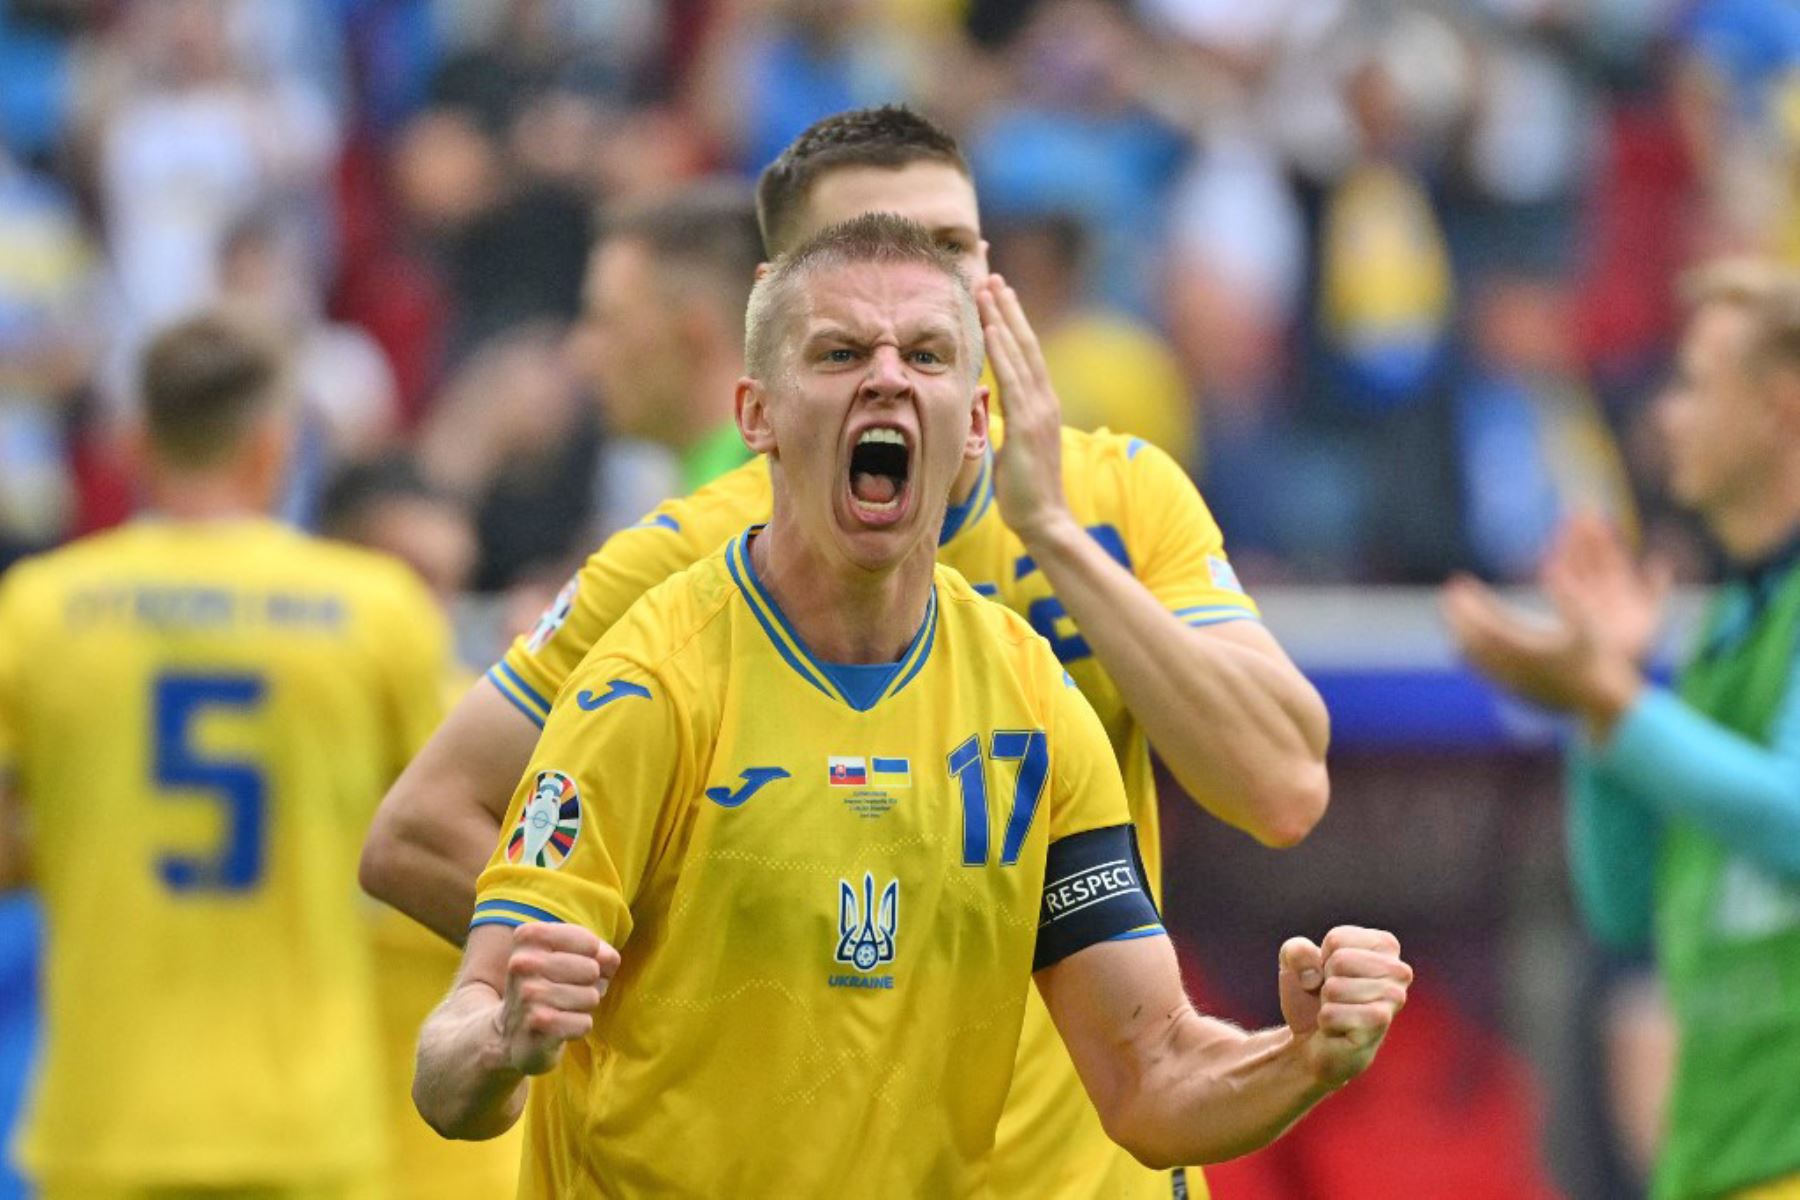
{"x":625,"y":343}
{"x":934,"y":194}
{"x":876,"y":411}
{"x":1716,"y":424}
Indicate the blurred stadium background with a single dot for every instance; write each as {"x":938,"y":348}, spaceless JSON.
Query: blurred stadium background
{"x":1393,"y":278}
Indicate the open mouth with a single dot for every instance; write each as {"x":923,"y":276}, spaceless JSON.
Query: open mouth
{"x":879,"y":465}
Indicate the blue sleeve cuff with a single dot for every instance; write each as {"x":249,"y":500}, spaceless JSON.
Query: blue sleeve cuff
{"x":520,"y":694}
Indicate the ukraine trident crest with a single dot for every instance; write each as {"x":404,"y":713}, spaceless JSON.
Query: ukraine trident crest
{"x":865,"y":931}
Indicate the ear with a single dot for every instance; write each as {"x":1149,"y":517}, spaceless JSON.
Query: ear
{"x":977,"y":442}
{"x":752,"y":405}
{"x":762,"y":269}
{"x":1784,"y":397}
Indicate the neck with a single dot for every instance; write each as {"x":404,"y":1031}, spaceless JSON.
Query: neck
{"x":200,"y":496}
{"x":1758,"y":524}
{"x":843,"y":613}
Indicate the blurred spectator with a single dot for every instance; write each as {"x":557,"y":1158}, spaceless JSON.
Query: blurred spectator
{"x":509,"y":55}
{"x":188,"y":136}
{"x":1110,"y":369}
{"x":1738,"y":96}
{"x":773,"y":67}
{"x":343,"y":382}
{"x":47,"y":318}
{"x":510,"y":245}
{"x":511,"y":435}
{"x":1385,"y":291}
{"x":388,"y":505}
{"x":34,"y":62}
{"x":1534,"y":447}
{"x":1074,"y":136}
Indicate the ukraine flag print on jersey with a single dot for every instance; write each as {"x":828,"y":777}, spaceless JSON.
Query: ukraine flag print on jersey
{"x":815,"y":992}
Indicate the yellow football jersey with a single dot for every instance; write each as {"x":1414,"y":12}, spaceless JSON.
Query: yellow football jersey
{"x":201,"y":717}
{"x":1139,"y":504}
{"x":825,"y":884}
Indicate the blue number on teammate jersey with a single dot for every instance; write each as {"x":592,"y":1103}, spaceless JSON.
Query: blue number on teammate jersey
{"x":177,"y":702}
{"x":1031,"y":750}
{"x":1046,"y":613}
{"x":1043,"y":615}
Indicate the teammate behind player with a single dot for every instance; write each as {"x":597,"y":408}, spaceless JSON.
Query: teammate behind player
{"x":662,"y":325}
{"x":1105,"y":547}
{"x":833,"y":809}
{"x":200,"y":710}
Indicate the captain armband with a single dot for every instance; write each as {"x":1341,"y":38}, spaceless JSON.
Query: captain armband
{"x":1094,"y":891}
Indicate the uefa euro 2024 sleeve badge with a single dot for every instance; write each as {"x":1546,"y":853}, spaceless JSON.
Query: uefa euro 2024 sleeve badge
{"x":554,"y":616}
{"x":547,"y":829}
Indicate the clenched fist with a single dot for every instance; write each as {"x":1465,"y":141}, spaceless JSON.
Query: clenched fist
{"x":1339,"y":997}
{"x":555,"y":977}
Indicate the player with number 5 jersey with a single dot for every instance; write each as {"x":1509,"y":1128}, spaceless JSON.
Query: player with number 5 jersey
{"x":198,"y":712}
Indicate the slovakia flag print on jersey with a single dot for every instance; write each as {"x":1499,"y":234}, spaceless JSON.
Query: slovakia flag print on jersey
{"x":848,"y":772}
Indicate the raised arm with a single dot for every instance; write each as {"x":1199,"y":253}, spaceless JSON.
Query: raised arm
{"x":1173,"y":1086}
{"x":439,"y":822}
{"x":1241,"y":729}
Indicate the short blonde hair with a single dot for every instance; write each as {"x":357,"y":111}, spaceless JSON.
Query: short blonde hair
{"x":1765,"y":292}
{"x":870,"y":238}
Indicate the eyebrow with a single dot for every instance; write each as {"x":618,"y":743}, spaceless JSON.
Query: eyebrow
{"x":933,"y":330}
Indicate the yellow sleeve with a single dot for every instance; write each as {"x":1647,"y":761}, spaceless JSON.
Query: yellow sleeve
{"x":1176,"y":547}
{"x":598,"y":796}
{"x":1086,"y":790}
{"x":673,"y":537}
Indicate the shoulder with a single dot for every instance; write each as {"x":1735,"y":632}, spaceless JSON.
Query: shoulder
{"x":673,"y":615}
{"x":1124,"y":455}
{"x":716,"y":511}
{"x":981,"y":628}
{"x":51,"y":572}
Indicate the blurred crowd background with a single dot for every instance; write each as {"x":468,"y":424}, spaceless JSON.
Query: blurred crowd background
{"x":1394,"y":279}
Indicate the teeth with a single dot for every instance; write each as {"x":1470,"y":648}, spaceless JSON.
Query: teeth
{"x":890,"y":436}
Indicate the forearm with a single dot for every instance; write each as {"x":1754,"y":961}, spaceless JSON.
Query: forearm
{"x":1215,"y":1094}
{"x":1241,"y":729}
{"x":427,"y":868}
{"x":438,"y":825}
{"x":1613,"y":846}
{"x":1682,"y":765}
{"x":462,"y":1085}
